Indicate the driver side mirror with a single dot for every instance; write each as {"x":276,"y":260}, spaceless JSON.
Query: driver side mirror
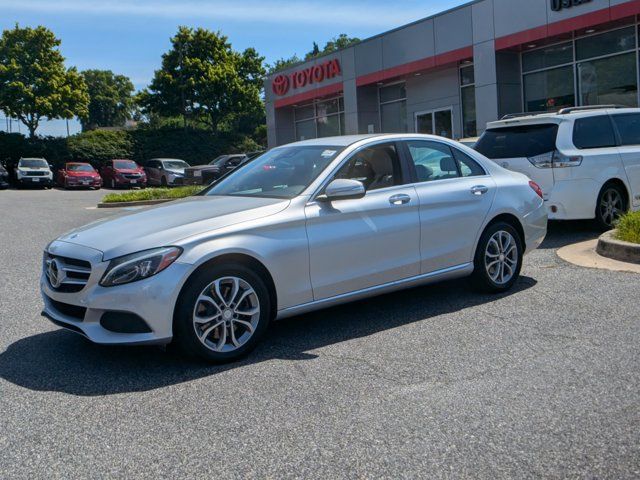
{"x":342,"y":189}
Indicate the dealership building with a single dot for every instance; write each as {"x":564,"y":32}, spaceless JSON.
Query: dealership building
{"x":451,"y":73}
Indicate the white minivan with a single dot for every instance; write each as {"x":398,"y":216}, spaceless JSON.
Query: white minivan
{"x":586,"y":159}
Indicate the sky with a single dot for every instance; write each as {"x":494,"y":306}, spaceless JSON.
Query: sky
{"x":129,"y":37}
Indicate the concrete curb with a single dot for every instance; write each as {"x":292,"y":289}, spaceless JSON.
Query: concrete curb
{"x":611,"y":247}
{"x":584,"y":254}
{"x":139,"y":203}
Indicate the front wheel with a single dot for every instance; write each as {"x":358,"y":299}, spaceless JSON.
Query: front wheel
{"x":222,"y":313}
{"x":498,"y":259}
{"x":163,"y":182}
{"x":611,"y":205}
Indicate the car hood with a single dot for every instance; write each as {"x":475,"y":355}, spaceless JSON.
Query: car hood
{"x":203,"y":167}
{"x":169,"y":223}
{"x":127,"y":171}
{"x":72,"y":173}
{"x":34,"y":169}
{"x":179,"y":171}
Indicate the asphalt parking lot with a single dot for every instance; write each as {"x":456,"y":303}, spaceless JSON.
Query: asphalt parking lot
{"x":434,"y":382}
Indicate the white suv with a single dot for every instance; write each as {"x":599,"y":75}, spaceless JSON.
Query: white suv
{"x":586,"y":159}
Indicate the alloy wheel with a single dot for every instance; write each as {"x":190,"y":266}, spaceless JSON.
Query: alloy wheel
{"x":501,"y":257}
{"x":226,"y":314}
{"x":611,"y":206}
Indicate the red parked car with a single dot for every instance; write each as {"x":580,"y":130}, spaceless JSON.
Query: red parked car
{"x":122,"y":172}
{"x":78,"y":174}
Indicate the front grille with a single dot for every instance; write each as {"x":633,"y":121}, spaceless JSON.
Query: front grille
{"x":36,"y":174}
{"x":69,"y":310}
{"x":132,"y":176}
{"x":72,"y":274}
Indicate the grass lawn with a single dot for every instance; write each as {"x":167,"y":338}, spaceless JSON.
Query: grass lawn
{"x":629,"y":227}
{"x":152,"y":194}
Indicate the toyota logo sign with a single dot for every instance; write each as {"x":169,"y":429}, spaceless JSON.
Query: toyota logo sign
{"x":280,"y":85}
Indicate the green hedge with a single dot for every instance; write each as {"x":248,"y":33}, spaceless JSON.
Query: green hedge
{"x":195,"y":146}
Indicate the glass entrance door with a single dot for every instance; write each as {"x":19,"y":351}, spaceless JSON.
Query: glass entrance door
{"x":435,"y":122}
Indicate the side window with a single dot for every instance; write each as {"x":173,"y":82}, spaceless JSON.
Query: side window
{"x":433,"y":160}
{"x":468,"y":166}
{"x":628,"y":125}
{"x":593,"y":132}
{"x":376,"y":167}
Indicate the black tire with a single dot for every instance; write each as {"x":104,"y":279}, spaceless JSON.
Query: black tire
{"x":163,"y":182}
{"x":480,"y":279}
{"x":605,"y":218}
{"x":184,"y":334}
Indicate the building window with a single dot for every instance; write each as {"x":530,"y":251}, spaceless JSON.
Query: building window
{"x":598,"y":69}
{"x":468,"y":99}
{"x":322,"y":118}
{"x":393,"y":108}
{"x":548,"y":80}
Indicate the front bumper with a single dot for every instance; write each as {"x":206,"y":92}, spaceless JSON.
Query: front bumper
{"x":36,"y":181}
{"x":152,"y":300}
{"x":130,"y":182}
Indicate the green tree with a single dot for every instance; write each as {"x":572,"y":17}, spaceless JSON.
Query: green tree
{"x":283,"y":63}
{"x":203,"y":79}
{"x":110,"y":99}
{"x":34,"y":82}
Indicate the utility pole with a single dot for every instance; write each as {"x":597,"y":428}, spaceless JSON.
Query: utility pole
{"x":67,"y":126}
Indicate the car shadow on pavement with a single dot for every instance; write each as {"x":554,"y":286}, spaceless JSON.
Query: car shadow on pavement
{"x":566,"y":232}
{"x":65,"y":362}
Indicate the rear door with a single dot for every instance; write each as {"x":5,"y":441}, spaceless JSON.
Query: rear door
{"x":628,"y":127}
{"x":455,"y":195}
{"x":526,"y":148}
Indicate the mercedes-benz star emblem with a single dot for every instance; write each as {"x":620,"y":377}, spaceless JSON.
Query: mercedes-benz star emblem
{"x":55,"y":273}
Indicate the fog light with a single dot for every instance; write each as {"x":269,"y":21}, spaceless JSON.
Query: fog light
{"x":554,"y":209}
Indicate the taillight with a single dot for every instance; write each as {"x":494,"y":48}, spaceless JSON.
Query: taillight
{"x":544,"y":160}
{"x":555,"y":159}
{"x":536,"y":188}
{"x":561,"y":160}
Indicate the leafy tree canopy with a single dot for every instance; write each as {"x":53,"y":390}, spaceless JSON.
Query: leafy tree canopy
{"x":336,"y":43}
{"x":110,"y":99}
{"x":204,"y":80}
{"x":34,"y":82}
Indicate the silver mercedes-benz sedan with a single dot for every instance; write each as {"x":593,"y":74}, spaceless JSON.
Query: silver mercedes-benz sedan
{"x":302,"y":227}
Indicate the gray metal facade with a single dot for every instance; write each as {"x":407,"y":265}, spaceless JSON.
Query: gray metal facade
{"x":427,"y":56}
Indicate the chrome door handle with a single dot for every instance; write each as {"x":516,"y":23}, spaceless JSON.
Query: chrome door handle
{"x":479,"y":190}
{"x":399,"y":199}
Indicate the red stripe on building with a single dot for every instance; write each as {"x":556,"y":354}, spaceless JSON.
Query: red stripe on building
{"x":309,"y":95}
{"x":591,"y":19}
{"x":416,"y":66}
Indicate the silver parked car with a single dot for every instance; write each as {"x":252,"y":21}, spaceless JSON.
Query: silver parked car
{"x":165,"y":172}
{"x":302,"y":227}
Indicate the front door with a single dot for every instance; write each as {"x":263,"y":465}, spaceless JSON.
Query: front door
{"x":435,"y":122}
{"x":360,"y":243}
{"x":455,"y":196}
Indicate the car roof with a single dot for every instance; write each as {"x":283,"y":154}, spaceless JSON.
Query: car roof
{"x":558,"y":117}
{"x":347,"y":140}
{"x":167,"y":159}
{"x":33,"y":158}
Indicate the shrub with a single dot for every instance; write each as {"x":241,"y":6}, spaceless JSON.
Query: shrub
{"x":98,"y":146}
{"x":629,"y":227}
{"x":152,"y":194}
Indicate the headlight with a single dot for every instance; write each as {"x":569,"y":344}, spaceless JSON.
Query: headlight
{"x":138,"y":266}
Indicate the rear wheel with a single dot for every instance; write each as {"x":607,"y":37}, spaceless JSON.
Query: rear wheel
{"x":611,"y":205}
{"x":222,"y":313}
{"x":498,"y":258}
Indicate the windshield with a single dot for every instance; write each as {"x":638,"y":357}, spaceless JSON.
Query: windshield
{"x":517,"y":142}
{"x":176,"y":164}
{"x":79,"y":168}
{"x":218,"y":160}
{"x":125,"y":165}
{"x":282,"y":173}
{"x":33,"y":163}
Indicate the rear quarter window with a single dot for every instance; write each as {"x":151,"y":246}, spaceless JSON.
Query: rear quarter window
{"x":593,"y":132}
{"x":518,"y":141}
